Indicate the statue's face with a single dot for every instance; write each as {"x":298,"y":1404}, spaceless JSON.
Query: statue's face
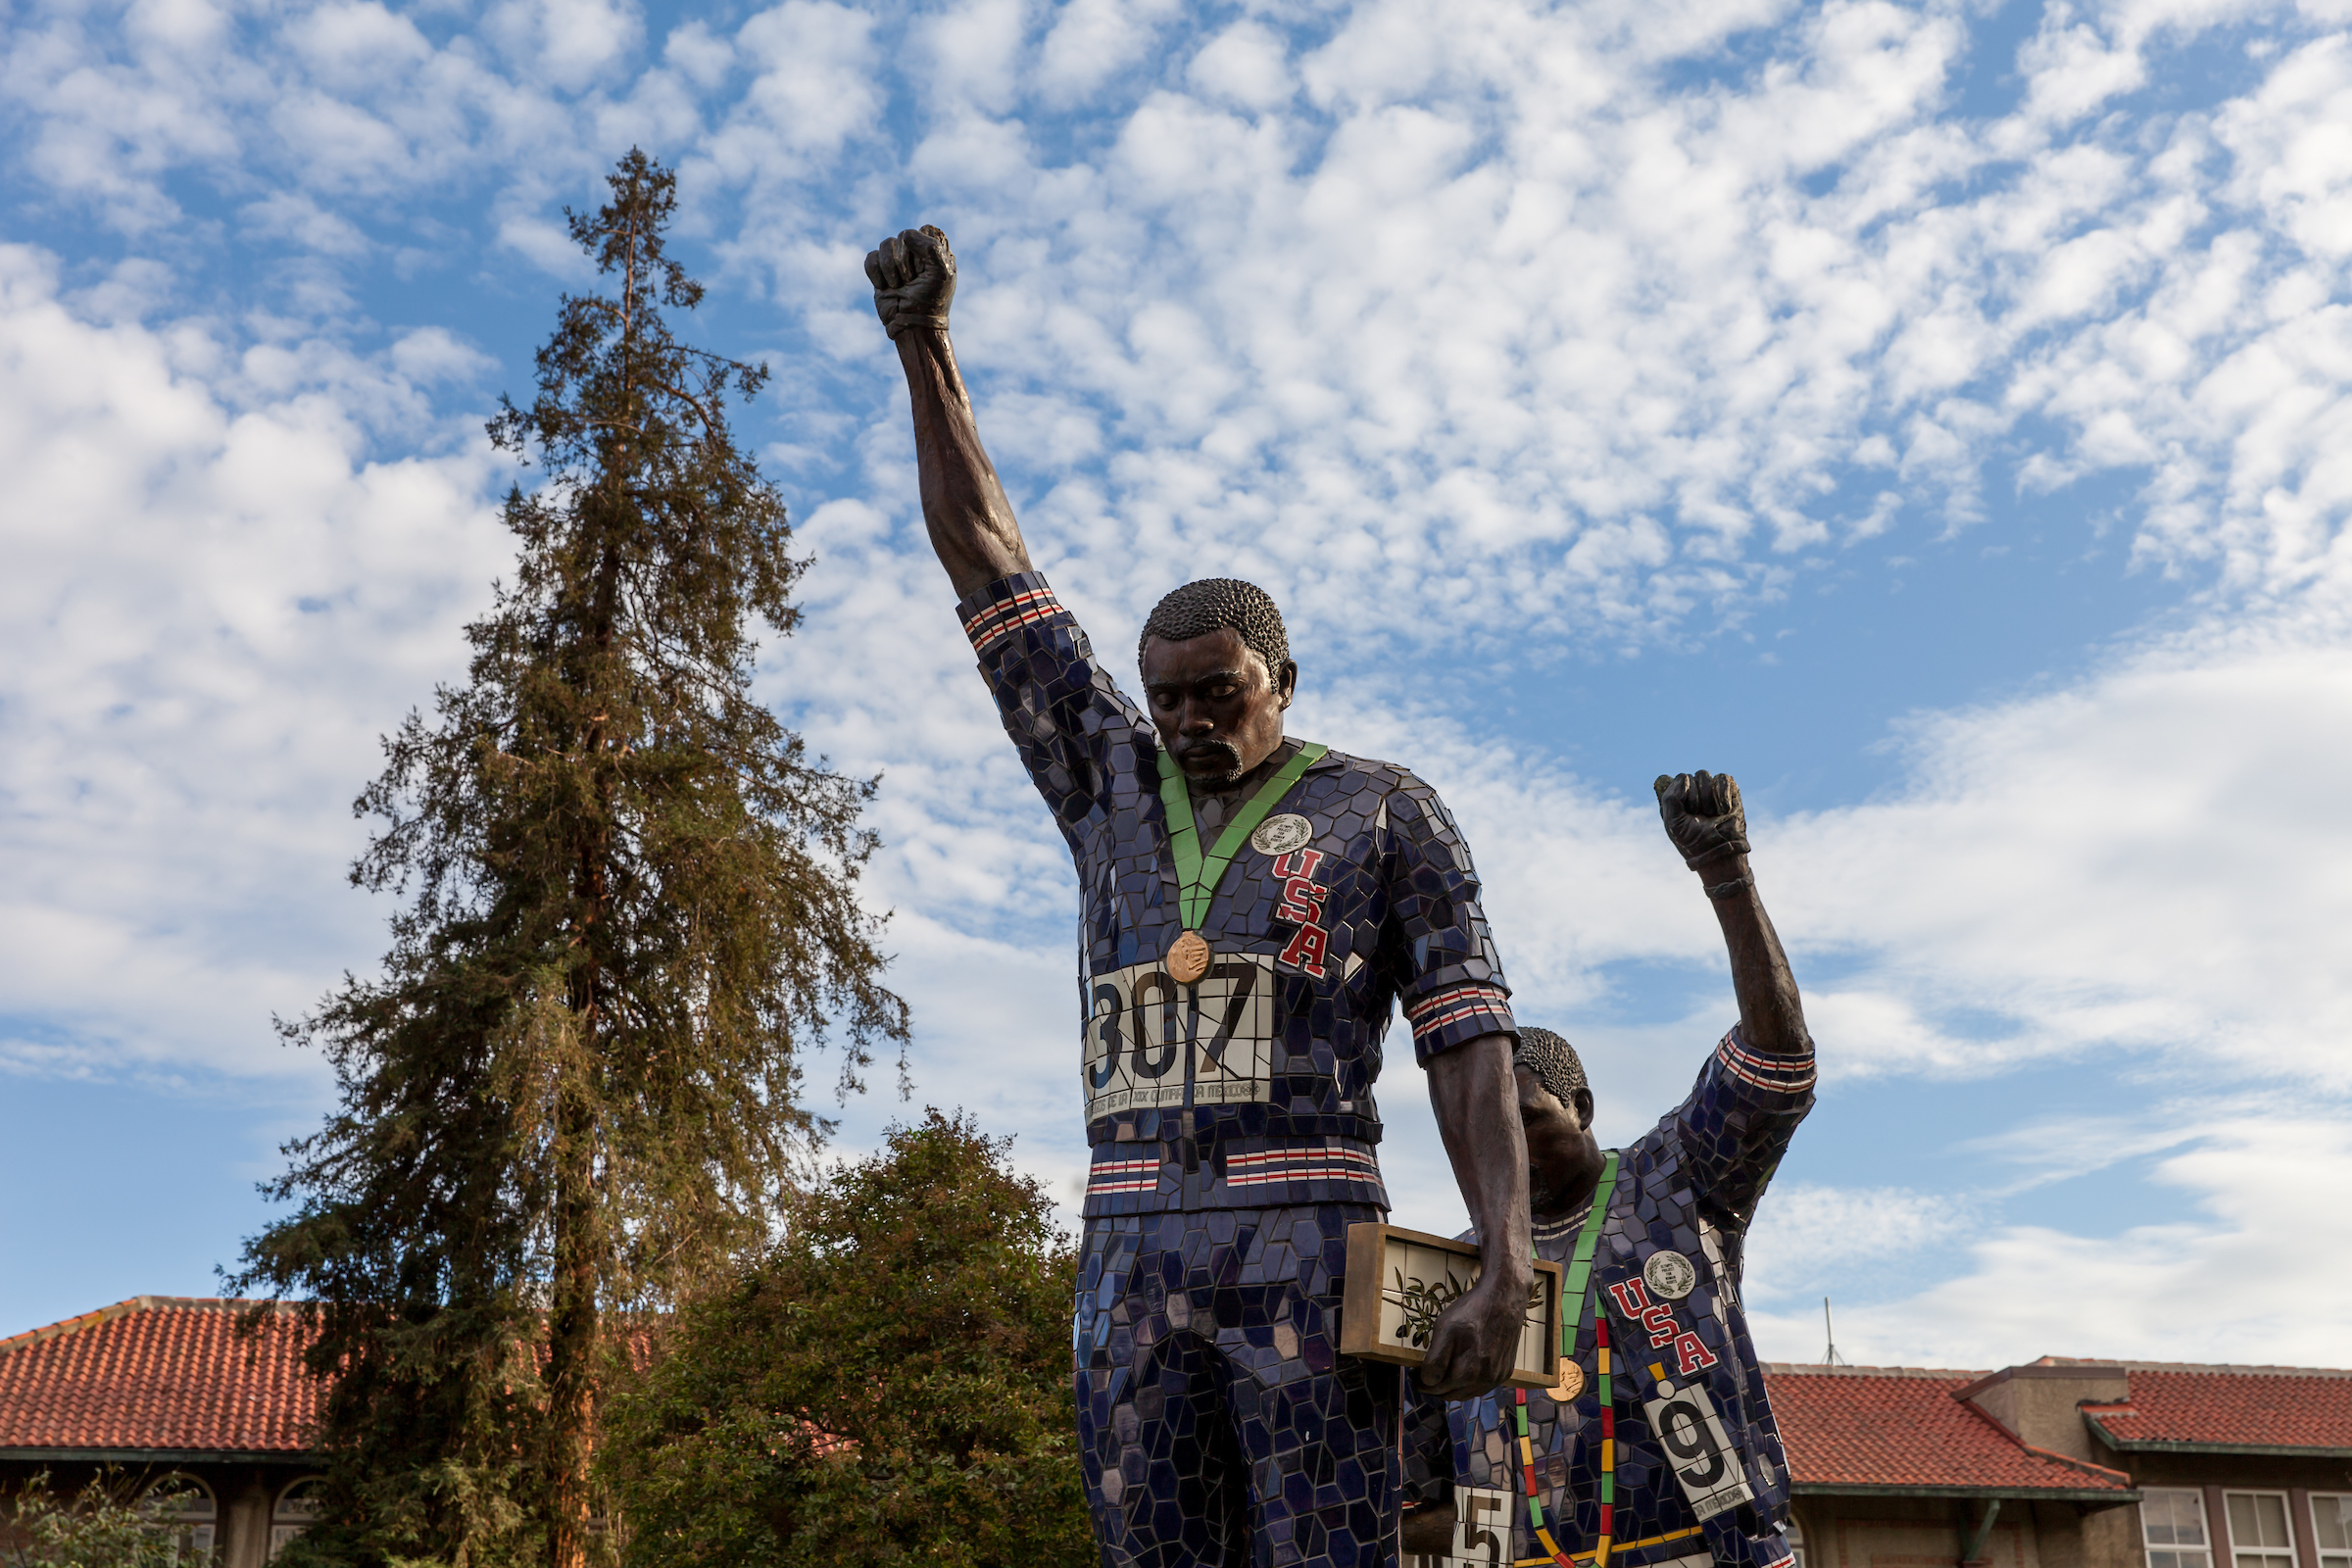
{"x":1563,"y":1158}
{"x":1217,"y":707}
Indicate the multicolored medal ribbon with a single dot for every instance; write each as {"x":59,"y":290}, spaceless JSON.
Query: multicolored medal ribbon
{"x":1197,"y":878}
{"x":1578,"y":1287}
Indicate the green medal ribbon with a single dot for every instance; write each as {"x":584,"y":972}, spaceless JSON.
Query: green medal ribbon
{"x":1578,"y":1286}
{"x":1197,"y":879}
{"x":1576,"y":1283}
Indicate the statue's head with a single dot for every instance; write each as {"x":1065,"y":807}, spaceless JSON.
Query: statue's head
{"x":1556,"y":1107}
{"x":1217,"y":674}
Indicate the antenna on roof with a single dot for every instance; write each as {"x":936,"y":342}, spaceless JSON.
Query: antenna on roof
{"x":1830,"y":1355}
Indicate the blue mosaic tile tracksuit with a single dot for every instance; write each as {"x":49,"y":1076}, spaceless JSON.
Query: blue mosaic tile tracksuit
{"x":1232,"y":1121}
{"x":1689,"y":1189}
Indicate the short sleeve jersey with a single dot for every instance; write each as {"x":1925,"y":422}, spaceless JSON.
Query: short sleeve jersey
{"x":1252,"y":1087}
{"x":1699,"y":1468}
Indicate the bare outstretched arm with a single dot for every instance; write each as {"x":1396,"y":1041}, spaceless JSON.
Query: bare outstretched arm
{"x":1477,"y":1104}
{"x":970,"y":523}
{"x":1708,"y":824}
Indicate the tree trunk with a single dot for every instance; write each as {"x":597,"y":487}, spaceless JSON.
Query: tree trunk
{"x":572,"y":1330}
{"x":572,"y":1364}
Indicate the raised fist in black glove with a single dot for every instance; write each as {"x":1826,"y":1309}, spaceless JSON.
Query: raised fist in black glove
{"x":1703,"y":816}
{"x":914,"y":280}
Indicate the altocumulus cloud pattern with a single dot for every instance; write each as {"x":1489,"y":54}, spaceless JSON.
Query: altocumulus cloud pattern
{"x":1595,"y":346}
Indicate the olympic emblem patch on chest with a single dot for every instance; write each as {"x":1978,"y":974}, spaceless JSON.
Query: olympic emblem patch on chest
{"x":1668,"y":1275}
{"x":1280,"y":835}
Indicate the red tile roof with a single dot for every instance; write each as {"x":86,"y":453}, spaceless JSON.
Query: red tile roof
{"x":155,"y":1374}
{"x":1899,"y":1428}
{"x":2258,"y":1409}
{"x":170,"y":1374}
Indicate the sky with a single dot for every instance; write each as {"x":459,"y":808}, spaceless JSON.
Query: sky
{"x":1934,"y":415}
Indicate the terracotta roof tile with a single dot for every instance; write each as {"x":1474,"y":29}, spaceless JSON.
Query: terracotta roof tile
{"x":2270,"y":1408}
{"x":1902,"y":1427}
{"x":155,"y":1372}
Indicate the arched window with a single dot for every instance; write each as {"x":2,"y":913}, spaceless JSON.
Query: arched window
{"x":297,"y":1506}
{"x":1797,"y":1542}
{"x":184,"y":1506}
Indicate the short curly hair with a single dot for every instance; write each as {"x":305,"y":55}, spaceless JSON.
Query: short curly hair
{"x":1200,"y":608}
{"x":1553,"y":1061}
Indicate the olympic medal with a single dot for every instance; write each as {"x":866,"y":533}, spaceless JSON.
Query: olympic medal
{"x":1188,"y":960}
{"x":1571,"y":1384}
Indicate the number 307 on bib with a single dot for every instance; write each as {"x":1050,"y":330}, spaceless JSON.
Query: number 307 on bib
{"x":1151,"y":1040}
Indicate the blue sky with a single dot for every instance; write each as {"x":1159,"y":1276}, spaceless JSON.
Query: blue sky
{"x":1930,"y":413}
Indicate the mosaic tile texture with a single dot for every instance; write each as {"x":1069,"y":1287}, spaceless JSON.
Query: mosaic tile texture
{"x":1217,"y":1422}
{"x":1686,"y":1190}
{"x":1253,"y":1088}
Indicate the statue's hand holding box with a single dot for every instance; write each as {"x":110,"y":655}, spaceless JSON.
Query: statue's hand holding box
{"x":1398,"y":1283}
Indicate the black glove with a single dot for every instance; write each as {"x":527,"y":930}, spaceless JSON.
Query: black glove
{"x":1703,"y":816}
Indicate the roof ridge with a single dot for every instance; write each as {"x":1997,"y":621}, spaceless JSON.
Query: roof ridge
{"x":2233,"y":1369}
{"x":1810,"y":1369}
{"x":2192,"y":1366}
{"x":123,"y":1308}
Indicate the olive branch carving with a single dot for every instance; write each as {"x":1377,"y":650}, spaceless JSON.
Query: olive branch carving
{"x":1422,"y":1303}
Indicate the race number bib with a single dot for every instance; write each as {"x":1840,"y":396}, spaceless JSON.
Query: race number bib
{"x":1700,"y":1451}
{"x":1482,"y":1531}
{"x":1154,"y":1042}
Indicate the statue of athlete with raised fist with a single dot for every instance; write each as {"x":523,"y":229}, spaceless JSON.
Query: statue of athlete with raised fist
{"x":1656,"y":1448}
{"x":1255,"y":908}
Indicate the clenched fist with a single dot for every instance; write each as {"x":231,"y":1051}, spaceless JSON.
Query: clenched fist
{"x":1703,"y":816}
{"x":914,"y":280}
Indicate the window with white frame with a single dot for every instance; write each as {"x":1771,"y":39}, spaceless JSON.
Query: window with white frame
{"x":2172,"y":1521}
{"x":296,"y":1508}
{"x":1796,"y":1544}
{"x":184,"y":1506}
{"x":2331,"y":1528}
{"x":2259,"y":1536}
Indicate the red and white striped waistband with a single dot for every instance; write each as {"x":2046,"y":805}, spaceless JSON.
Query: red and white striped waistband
{"x":1257,"y":1168}
{"x":1300,"y":1165}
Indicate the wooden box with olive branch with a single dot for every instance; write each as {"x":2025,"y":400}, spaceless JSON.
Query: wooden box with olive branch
{"x":1398,"y":1283}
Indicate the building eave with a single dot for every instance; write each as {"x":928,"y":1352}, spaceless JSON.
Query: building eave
{"x":160,"y":1455}
{"x":2261,"y":1450}
{"x":1836,"y":1488}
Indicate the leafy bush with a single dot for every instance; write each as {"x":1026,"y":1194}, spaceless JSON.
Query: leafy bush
{"x":889,"y":1385}
{"x":94,"y":1529}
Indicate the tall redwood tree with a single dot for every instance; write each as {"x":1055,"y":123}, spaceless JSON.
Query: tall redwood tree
{"x":629,"y":911}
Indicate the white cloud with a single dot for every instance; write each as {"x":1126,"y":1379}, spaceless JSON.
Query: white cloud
{"x":2251,"y":1270}
{"x":218,"y":601}
{"x":1498,"y":316}
{"x":2141,"y":863}
{"x":1805,"y":1234}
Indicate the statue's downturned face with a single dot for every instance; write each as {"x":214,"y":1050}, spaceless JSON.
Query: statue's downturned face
{"x":1217,"y":708}
{"x":1563,"y":1157}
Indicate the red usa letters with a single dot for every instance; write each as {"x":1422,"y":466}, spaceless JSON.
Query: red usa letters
{"x":1303,"y":900}
{"x":1689,"y":1353}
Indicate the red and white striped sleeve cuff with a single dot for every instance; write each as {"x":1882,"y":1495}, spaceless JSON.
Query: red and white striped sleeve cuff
{"x":1018,"y":602}
{"x":1784,"y":1075}
{"x":1451,"y":1014}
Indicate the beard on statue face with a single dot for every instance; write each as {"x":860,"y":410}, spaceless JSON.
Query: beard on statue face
{"x":1213,"y":762}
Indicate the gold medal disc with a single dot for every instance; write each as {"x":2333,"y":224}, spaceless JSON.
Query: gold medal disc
{"x":1571,"y":1384}
{"x":1188,"y":960}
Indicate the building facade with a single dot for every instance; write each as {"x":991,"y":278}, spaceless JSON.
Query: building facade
{"x":164,"y":1396}
{"x":2054,"y":1464}
{"x":2070,"y":1464}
